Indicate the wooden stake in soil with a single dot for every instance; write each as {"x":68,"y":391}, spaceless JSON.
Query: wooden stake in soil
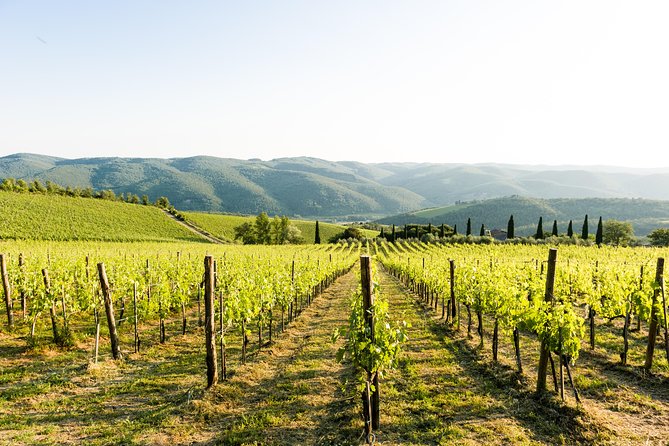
{"x":652,"y":330}
{"x":454,"y":307}
{"x":367,"y":305}
{"x":209,"y":322}
{"x":24,"y":305}
{"x":7,"y":289}
{"x":548,"y":297}
{"x":134,"y":306}
{"x":52,"y":308}
{"x":109,"y":309}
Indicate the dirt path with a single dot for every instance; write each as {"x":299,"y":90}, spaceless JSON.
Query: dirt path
{"x":191,"y":227}
{"x":443,"y":394}
{"x":296,"y":392}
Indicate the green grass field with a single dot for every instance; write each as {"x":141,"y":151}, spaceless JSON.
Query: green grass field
{"x":53,"y":217}
{"x":223,"y":226}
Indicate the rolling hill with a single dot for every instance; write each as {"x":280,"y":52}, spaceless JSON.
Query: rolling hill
{"x":645,"y":215}
{"x":319,"y":189}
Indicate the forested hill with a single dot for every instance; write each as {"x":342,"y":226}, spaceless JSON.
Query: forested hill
{"x":316,"y":188}
{"x":645,"y":215}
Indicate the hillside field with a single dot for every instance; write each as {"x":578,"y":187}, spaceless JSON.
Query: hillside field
{"x":223,"y":226}
{"x":51,"y":217}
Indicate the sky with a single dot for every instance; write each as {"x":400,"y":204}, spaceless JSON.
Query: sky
{"x":520,"y":82}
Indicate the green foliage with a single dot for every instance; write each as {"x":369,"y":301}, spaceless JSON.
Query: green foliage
{"x":615,"y":232}
{"x":383,"y":353}
{"x":659,"y":237}
{"x":54,"y":217}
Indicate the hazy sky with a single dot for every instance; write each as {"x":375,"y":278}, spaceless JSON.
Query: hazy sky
{"x":533,"y":82}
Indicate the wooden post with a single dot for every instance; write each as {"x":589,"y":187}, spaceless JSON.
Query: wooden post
{"x":367,"y":305}
{"x":224,"y":371}
{"x":24,"y":306}
{"x":454,"y":307}
{"x":52,"y":309}
{"x":97,"y":334}
{"x":548,"y":297}
{"x":134,"y":306}
{"x":652,"y":330}
{"x":209,"y":321}
{"x":109,"y":309}
{"x":7,"y":289}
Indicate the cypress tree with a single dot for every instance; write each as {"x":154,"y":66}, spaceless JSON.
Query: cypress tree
{"x":455,"y":229}
{"x":510,"y":228}
{"x":600,"y":232}
{"x":555,"y":230}
{"x":540,"y":229}
{"x":469,"y":226}
{"x":382,"y":235}
{"x":584,"y":231}
{"x":570,"y":229}
{"x":441,"y":231}
{"x":317,"y":239}
{"x":429,"y":228}
{"x":482,"y":230}
{"x":392,"y":236}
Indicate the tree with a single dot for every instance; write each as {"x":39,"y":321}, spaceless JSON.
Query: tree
{"x":263,"y":229}
{"x":510,"y":227}
{"x":540,"y":229}
{"x":163,"y":202}
{"x":584,"y":231}
{"x":353,"y":232}
{"x":659,"y":237}
{"x":469,"y":226}
{"x":570,"y":229}
{"x":294,"y":235}
{"x":482,"y":233}
{"x":317,"y":239}
{"x":406,"y":232}
{"x":245,"y":232}
{"x":442,"y":232}
{"x":392,"y":235}
{"x":145,"y":200}
{"x":554,"y":233}
{"x":279,"y":230}
{"x":36,"y":186}
{"x":599,"y":237}
{"x":616,"y":232}
{"x":455,"y":229}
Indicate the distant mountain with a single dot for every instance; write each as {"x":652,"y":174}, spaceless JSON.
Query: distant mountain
{"x":645,"y":215}
{"x":315,"y":188}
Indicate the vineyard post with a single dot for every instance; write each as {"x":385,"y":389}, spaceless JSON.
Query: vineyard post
{"x":652,"y":330}
{"x":666,"y":328}
{"x":24,"y":303}
{"x":52,"y":309}
{"x":109,"y":309}
{"x":209,"y":321}
{"x":548,"y":297}
{"x":134,"y":310}
{"x":5,"y":286}
{"x":97,"y":334}
{"x":454,"y":309}
{"x":224,"y":371}
{"x":368,"y":311}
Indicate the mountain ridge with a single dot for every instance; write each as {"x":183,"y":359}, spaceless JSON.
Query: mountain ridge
{"x":336,"y":190}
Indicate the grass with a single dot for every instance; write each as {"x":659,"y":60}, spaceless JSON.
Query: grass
{"x":51,"y":217}
{"x":223,"y":226}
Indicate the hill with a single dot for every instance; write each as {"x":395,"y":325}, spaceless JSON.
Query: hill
{"x":223,"y":226}
{"x":645,"y":215}
{"x":51,"y":217}
{"x":317,"y":189}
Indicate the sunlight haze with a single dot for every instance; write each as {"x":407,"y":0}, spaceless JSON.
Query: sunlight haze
{"x":523,"y":82}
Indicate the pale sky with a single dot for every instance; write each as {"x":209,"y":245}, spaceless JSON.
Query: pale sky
{"x":531,"y":82}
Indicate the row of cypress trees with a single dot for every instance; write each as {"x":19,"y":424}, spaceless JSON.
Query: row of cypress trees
{"x":570,"y":229}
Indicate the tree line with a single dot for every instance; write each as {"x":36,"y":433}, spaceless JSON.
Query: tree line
{"x":49,"y":187}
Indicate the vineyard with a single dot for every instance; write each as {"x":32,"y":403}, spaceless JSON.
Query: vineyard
{"x":143,"y":344}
